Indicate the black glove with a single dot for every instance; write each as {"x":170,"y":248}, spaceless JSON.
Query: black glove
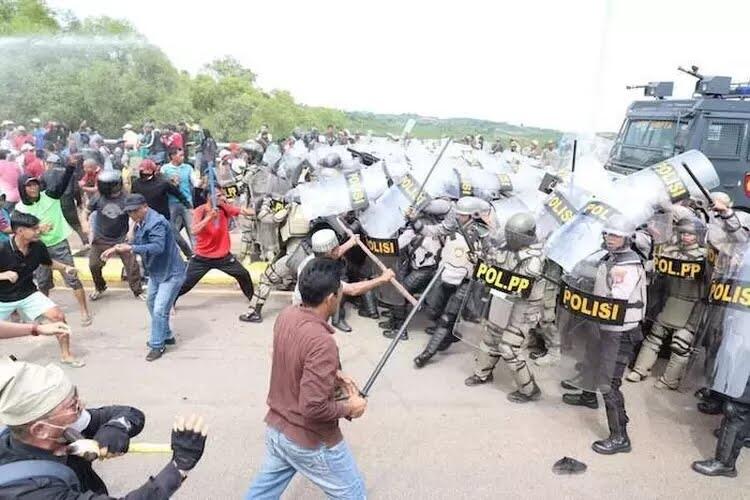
{"x":113,"y":437}
{"x":187,"y":446}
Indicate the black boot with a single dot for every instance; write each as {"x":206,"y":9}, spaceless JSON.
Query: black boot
{"x":710,"y":403}
{"x":585,"y":398}
{"x":745,"y":442}
{"x":618,"y":440}
{"x":389,"y":334}
{"x":339,"y":320}
{"x":437,"y":339}
{"x":519,"y":397}
{"x":368,"y":306}
{"x":727,"y":447}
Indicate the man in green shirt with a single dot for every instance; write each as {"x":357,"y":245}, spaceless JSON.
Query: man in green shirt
{"x":54,"y":231}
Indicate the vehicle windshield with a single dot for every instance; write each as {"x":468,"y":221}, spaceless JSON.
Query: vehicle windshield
{"x":646,"y":142}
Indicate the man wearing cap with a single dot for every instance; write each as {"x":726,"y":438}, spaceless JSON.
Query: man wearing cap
{"x":154,"y":242}
{"x":44,"y":413}
{"x":45,"y":205}
{"x":212,"y":246}
{"x":324,"y":243}
{"x":20,"y":257}
{"x":31,"y":163}
{"x":129,"y":136}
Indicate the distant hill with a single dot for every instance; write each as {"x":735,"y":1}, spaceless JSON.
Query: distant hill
{"x":455,"y":127}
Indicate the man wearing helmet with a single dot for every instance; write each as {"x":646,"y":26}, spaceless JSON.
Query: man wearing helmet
{"x":680,"y":265}
{"x":512,"y":316}
{"x":111,"y":228}
{"x":618,"y":274}
{"x":473,"y":221}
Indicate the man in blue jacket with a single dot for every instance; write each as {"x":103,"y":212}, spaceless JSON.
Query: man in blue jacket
{"x":155,"y":243}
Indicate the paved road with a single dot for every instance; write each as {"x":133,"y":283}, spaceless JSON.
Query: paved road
{"x":425,"y":434}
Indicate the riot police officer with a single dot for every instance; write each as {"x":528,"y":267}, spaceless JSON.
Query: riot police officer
{"x":680,"y":266}
{"x":511,"y":316}
{"x":421,"y":255}
{"x":618,"y":274}
{"x":473,"y":218}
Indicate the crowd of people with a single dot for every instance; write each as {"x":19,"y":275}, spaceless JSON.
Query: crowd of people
{"x":509,"y":253}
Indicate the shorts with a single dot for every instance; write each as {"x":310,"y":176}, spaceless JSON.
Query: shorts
{"x":43,"y":274}
{"x":29,"y":308}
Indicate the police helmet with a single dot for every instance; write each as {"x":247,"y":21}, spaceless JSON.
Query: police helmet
{"x":331,"y":160}
{"x":520,"y":231}
{"x":109,"y":183}
{"x":618,"y":225}
{"x":472,"y":206}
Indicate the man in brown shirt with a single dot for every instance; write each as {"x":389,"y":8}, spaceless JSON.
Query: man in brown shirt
{"x":303,"y":433}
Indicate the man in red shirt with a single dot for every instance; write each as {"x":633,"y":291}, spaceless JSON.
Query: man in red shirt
{"x":212,"y":245}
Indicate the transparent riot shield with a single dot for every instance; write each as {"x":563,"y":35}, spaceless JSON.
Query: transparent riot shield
{"x":635,"y":197}
{"x":495,"y":300}
{"x":677,"y":289}
{"x":590,"y":326}
{"x":226,"y":179}
{"x":728,"y":353}
{"x":559,"y":207}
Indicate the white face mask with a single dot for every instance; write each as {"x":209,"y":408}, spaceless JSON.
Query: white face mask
{"x":83,"y":421}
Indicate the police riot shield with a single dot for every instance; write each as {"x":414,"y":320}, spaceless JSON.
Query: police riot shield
{"x":387,"y":250}
{"x":726,"y":340}
{"x":495,"y":300}
{"x":635,"y":197}
{"x":591,"y":323}
{"x":334,"y":195}
{"x":677,"y":289}
{"x":558,"y":208}
{"x":226,"y":180}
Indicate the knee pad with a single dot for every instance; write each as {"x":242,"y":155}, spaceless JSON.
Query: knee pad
{"x":682,"y":339}
{"x":508,"y":353}
{"x":656,"y":336}
{"x":513,"y":337}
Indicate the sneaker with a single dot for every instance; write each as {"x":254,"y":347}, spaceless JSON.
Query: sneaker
{"x":634,"y":376}
{"x":155,"y":354}
{"x":477,"y":380}
{"x":252,"y":316}
{"x":96,"y":294}
{"x":142,"y":297}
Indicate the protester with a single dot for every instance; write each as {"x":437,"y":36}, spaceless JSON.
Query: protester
{"x":53,"y":176}
{"x":155,"y":189}
{"x":9,"y":174}
{"x":20,"y":257}
{"x":111,"y":228}
{"x":154,"y":242}
{"x":32,"y":165}
{"x":55,"y":230}
{"x":22,"y":137}
{"x":129,"y":136}
{"x":41,"y":406}
{"x":180,"y":174}
{"x":212,"y":248}
{"x":303,"y":433}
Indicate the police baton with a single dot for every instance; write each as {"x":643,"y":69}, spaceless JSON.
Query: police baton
{"x":398,"y":286}
{"x":698,"y":183}
{"x":392,"y":347}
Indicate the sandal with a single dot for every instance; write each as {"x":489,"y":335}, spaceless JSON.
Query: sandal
{"x":73,"y":363}
{"x":87,"y":321}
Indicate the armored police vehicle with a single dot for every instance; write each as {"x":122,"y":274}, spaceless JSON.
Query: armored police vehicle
{"x":715,"y":121}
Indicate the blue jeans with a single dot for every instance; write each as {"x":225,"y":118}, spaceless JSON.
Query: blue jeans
{"x":161,"y":297}
{"x":332,"y":469}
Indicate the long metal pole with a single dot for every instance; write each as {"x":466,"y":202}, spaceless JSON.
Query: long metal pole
{"x":398,"y":286}
{"x":432,"y":169}
{"x":392,"y":347}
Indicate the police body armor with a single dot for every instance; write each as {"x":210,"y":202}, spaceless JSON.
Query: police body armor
{"x":511,"y":302}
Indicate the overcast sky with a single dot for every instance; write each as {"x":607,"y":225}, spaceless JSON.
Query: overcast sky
{"x":551,"y":63}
